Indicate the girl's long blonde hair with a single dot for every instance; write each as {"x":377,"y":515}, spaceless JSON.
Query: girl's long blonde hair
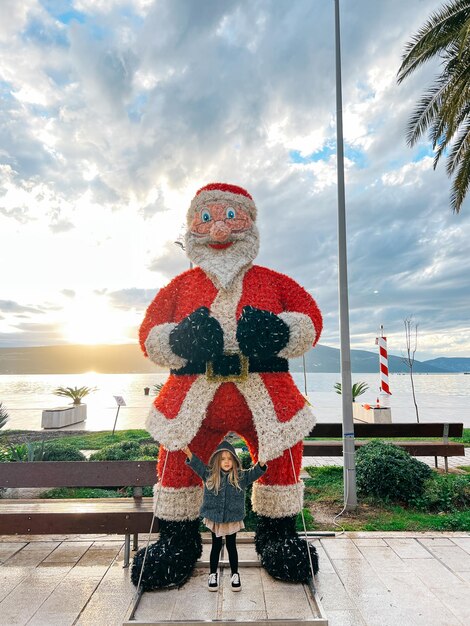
{"x":213,"y":482}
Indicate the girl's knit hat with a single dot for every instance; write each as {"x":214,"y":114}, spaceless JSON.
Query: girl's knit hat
{"x":225,"y":445}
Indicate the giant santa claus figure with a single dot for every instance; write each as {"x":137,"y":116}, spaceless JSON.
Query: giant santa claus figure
{"x":226,"y":330}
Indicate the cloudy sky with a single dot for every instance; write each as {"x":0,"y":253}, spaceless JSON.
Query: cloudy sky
{"x":114,"y":112}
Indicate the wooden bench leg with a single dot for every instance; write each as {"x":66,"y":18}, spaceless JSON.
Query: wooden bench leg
{"x":135,"y":544}
{"x":436,"y":464}
{"x":127,"y":550}
{"x":446,"y":463}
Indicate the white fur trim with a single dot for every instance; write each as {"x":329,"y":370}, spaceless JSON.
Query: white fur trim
{"x":301,"y":334}
{"x":273,"y":436}
{"x":177,"y":505}
{"x":277,"y":500}
{"x":158,"y":348}
{"x":217,"y":195}
{"x":224,"y":309}
{"x":175,"y":434}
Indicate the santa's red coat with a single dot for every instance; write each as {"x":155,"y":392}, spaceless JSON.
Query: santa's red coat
{"x":281,"y":415}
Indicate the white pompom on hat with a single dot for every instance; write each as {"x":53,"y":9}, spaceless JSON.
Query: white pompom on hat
{"x":217,"y":192}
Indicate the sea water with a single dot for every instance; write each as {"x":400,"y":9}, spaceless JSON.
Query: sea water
{"x":440,"y":397}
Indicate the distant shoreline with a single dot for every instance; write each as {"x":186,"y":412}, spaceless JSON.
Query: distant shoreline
{"x":129,"y":359}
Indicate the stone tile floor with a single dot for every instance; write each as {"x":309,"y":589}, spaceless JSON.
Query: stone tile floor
{"x":366,"y":579}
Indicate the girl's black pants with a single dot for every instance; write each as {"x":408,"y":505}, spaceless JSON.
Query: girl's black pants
{"x":231,"y":543}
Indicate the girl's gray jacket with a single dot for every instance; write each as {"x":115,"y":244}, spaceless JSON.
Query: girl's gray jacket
{"x":228,"y":505}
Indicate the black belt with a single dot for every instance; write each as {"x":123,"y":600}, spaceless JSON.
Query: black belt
{"x":232,"y":367}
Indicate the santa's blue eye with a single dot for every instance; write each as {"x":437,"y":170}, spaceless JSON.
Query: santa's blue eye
{"x":230,"y":214}
{"x":205,"y":216}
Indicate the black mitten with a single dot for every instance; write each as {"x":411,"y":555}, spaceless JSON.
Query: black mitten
{"x":261,"y":334}
{"x":198,"y":337}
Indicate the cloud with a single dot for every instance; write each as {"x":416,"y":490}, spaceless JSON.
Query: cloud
{"x":171,"y":261}
{"x":114,"y":113}
{"x":132,"y":298}
{"x":8,"y":306}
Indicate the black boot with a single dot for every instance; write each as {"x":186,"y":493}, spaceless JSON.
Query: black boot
{"x":171,"y":559}
{"x":283,"y":553}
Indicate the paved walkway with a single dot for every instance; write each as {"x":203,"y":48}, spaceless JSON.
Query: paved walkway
{"x":366,"y":579}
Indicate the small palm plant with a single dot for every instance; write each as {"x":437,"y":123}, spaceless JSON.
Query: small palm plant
{"x":157,"y":388}
{"x":357,"y":389}
{"x":76,"y":394}
{"x":3,"y":416}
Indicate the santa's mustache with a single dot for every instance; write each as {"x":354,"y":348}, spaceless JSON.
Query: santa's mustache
{"x":207,"y":239}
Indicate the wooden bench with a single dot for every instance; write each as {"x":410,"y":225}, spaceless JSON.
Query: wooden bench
{"x":444,"y":448}
{"x":131,"y":516}
{"x":127,"y":516}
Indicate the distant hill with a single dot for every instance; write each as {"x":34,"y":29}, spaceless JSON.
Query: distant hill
{"x":326,"y":359}
{"x":457,"y":364}
{"x":129,"y":359}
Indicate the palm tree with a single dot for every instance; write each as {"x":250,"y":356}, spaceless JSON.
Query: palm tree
{"x":357,"y":389}
{"x":444,"y":108}
{"x":76,"y":394}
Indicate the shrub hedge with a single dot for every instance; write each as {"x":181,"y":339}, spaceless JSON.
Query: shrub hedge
{"x":126,"y":451}
{"x":390,"y":473}
{"x":62,"y":451}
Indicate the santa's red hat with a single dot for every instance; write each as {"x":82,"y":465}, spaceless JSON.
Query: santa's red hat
{"x":216,"y":192}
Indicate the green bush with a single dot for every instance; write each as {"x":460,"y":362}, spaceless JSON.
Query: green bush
{"x":62,"y":451}
{"x":445,"y":492}
{"x":126,"y":451}
{"x":388,"y":472}
{"x":245,"y":460}
{"x":60,"y":493}
{"x":26,"y":452}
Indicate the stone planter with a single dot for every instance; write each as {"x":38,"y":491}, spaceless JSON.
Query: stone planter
{"x":372,"y":415}
{"x":63,"y":416}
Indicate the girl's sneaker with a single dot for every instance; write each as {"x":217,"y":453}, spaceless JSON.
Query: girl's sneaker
{"x":213,"y":582}
{"x":235,"y":582}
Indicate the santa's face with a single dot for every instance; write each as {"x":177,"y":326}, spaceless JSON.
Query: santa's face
{"x":222,"y":239}
{"x":218,"y":221}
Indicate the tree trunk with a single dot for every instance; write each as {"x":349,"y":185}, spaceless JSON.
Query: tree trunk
{"x":414,"y":396}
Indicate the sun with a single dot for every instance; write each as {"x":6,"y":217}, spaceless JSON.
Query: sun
{"x":90,"y":320}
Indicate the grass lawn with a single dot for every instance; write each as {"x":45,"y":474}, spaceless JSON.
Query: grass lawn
{"x":324,"y":500}
{"x":83,"y":441}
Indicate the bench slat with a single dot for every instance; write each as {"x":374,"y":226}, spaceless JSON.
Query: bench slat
{"x":415,"y":448}
{"x":108,"y":515}
{"x":408,"y":429}
{"x":78,"y":474}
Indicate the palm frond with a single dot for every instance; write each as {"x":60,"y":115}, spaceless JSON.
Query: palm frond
{"x":443,"y":27}
{"x":461,"y":180}
{"x":459,"y":148}
{"x":3,"y":415}
{"x":425,"y":112}
{"x":444,"y":109}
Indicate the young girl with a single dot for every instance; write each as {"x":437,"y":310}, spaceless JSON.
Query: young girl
{"x":223,"y":505}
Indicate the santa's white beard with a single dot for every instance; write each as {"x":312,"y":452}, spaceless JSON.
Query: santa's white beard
{"x":224,"y":265}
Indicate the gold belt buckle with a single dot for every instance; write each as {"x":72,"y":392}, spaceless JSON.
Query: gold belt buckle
{"x":219,"y":378}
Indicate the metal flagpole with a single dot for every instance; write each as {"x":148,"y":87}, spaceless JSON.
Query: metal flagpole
{"x":349,"y":468}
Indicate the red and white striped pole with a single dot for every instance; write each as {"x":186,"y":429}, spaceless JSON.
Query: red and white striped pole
{"x":385,"y":392}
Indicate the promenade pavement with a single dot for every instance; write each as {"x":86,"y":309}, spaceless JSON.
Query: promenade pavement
{"x":366,"y":579}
